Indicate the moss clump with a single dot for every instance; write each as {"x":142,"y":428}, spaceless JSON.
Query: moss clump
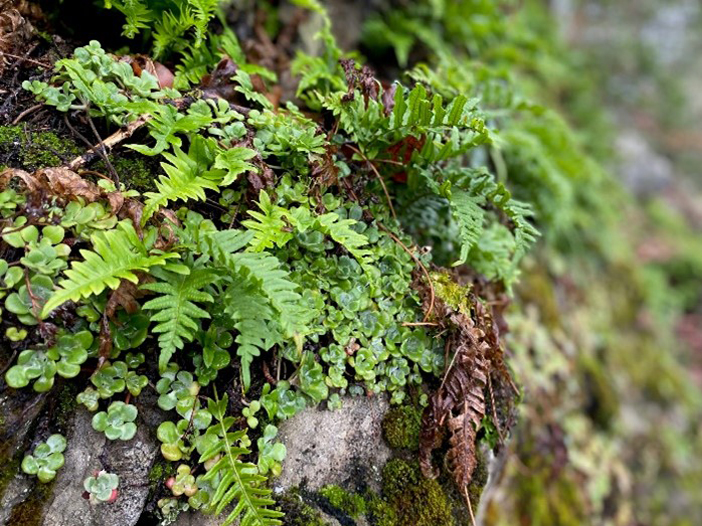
{"x":380,"y":512}
{"x":134,"y":172}
{"x":351,"y":504}
{"x":417,"y":501}
{"x":31,"y":150}
{"x":401,"y":427}
{"x":29,"y":512}
{"x":297,"y":512}
{"x":453,"y":294}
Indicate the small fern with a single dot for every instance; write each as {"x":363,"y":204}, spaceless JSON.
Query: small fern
{"x":177,"y":314}
{"x":116,"y":255}
{"x":239,"y":482}
{"x":190,"y":174}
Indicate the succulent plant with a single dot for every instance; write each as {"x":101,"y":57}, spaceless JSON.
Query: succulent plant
{"x":117,"y":422}
{"x":102,"y":487}
{"x":46,"y":459}
{"x":183,"y":483}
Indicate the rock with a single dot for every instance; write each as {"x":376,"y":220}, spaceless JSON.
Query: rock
{"x":343,"y":447}
{"x":642,"y":169}
{"x":89,"y":451}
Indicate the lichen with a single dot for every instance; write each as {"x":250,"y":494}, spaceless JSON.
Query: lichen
{"x":401,"y":426}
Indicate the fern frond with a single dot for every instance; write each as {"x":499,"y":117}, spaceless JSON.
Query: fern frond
{"x":239,"y":481}
{"x":268,"y":225}
{"x":177,"y":313}
{"x":341,"y":231}
{"x":116,"y":255}
{"x":253,"y":319}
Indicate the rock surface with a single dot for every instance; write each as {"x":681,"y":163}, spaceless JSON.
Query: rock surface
{"x":342,"y":447}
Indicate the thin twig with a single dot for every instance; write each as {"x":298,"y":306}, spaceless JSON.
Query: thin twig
{"x":109,"y":143}
{"x":420,"y":324}
{"x":25,"y":59}
{"x":26,"y":112}
{"x":101,"y":147}
{"x":380,"y":179}
{"x":421,"y":266}
{"x":470,"y":506}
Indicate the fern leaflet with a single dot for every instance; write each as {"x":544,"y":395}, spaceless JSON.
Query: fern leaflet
{"x":116,"y":255}
{"x":239,"y":481}
{"x":177,"y":313}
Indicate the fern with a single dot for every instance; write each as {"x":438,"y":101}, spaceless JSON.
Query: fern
{"x":177,"y":313}
{"x":254,"y":320}
{"x":239,"y":481}
{"x":189,"y":175}
{"x":341,"y":231}
{"x":172,"y":21}
{"x":116,"y":255}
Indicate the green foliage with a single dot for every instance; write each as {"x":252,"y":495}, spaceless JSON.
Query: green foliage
{"x":239,"y":481}
{"x":117,"y":422}
{"x":64,"y":359}
{"x":102,"y":487}
{"x":117,"y":255}
{"x":176,"y":311}
{"x":46,"y":459}
{"x":172,"y":21}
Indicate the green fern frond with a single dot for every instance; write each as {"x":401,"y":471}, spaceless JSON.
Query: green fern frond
{"x":177,"y":313}
{"x":341,"y":231}
{"x":189,"y":175}
{"x":253,"y":318}
{"x":116,"y":255}
{"x":269,"y":225}
{"x":239,"y":481}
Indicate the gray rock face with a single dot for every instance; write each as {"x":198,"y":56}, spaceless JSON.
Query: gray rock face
{"x":335,"y":447}
{"x":88,"y":451}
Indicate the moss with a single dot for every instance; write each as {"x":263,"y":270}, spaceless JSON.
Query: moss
{"x":297,"y":512}
{"x":161,"y":470}
{"x":479,"y":479}
{"x":453,"y":294}
{"x":380,"y":512}
{"x":134,"y":172}
{"x":31,"y":150}
{"x":350,"y":503}
{"x":401,"y":427}
{"x":417,"y":501}
{"x":10,"y":468}
{"x":30,"y":512}
{"x":65,"y":405}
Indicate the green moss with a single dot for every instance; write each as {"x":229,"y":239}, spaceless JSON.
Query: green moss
{"x":297,"y":512}
{"x":31,"y":150}
{"x":30,"y":512}
{"x":161,"y":470}
{"x":453,"y":294}
{"x":350,"y":503}
{"x":479,"y":479}
{"x":10,"y":468}
{"x":134,"y":172}
{"x":401,"y":427}
{"x":65,"y":406}
{"x":417,"y":501}
{"x":380,"y":512}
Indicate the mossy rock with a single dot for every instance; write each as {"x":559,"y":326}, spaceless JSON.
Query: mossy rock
{"x":417,"y":501}
{"x":31,"y":149}
{"x":401,"y":427}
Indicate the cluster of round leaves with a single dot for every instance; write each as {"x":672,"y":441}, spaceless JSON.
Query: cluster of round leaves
{"x":359,"y":309}
{"x":46,"y":459}
{"x":63,"y":358}
{"x":101,"y":487}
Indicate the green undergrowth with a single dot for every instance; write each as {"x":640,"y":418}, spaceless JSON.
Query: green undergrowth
{"x":259,"y":255}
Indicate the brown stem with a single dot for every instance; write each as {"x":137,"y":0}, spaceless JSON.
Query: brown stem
{"x":380,"y":179}
{"x":421,"y":266}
